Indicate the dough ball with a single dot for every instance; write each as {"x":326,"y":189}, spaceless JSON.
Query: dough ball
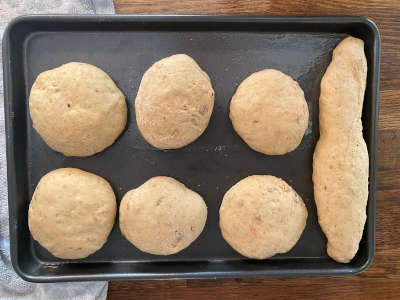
{"x":269,"y":112}
{"x":77,"y":109}
{"x":72,"y":213}
{"x":162,"y":216}
{"x":261,"y":216}
{"x":174,"y":102}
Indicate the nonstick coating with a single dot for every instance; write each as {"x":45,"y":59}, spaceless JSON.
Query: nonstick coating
{"x":215,"y":161}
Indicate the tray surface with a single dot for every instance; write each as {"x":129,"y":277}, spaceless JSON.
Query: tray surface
{"x":228,"y":49}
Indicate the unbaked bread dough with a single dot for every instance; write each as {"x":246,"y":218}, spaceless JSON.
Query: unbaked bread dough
{"x":261,"y":216}
{"x":162,"y":216}
{"x":269,"y":112}
{"x":174,"y":102}
{"x":72,"y":212}
{"x":341,"y":163}
{"x":77,"y":109}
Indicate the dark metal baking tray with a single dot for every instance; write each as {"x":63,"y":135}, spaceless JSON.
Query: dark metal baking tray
{"x":228,"y":48}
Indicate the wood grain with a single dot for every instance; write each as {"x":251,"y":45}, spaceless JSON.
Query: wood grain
{"x":382,"y":279}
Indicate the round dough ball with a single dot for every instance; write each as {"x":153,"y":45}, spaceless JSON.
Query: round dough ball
{"x":269,"y":112}
{"x":72,"y":213}
{"x":261,"y":216}
{"x":77,"y":109}
{"x":174,"y":102}
{"x":162,"y":216}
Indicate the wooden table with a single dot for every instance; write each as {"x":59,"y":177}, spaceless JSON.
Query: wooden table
{"x":382,"y":279}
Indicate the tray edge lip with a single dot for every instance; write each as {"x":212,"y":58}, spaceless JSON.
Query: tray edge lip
{"x":11,"y":182}
{"x":185,"y":275}
{"x":231,"y":18}
{"x":375,"y":133}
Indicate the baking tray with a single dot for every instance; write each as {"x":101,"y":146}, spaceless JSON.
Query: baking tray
{"x":228,"y":48}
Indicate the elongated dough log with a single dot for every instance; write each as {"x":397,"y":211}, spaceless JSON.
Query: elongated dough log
{"x":340,"y":172}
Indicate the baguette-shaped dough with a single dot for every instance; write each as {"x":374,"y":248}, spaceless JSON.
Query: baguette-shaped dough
{"x":340,"y":170}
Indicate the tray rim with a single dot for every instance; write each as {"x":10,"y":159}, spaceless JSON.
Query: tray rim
{"x":276,"y":19}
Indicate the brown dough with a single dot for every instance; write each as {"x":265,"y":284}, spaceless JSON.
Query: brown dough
{"x":162,"y":216}
{"x":261,"y":216}
{"x":269,"y":112}
{"x":72,"y":212}
{"x":77,"y":109}
{"x":340,"y":173}
{"x":174,"y":102}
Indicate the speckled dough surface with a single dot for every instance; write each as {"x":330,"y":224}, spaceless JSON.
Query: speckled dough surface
{"x":174,"y":102}
{"x":340,"y":169}
{"x":261,"y":216}
{"x":72,"y":212}
{"x":269,"y":112}
{"x":77,"y":109}
{"x":162,"y":216}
